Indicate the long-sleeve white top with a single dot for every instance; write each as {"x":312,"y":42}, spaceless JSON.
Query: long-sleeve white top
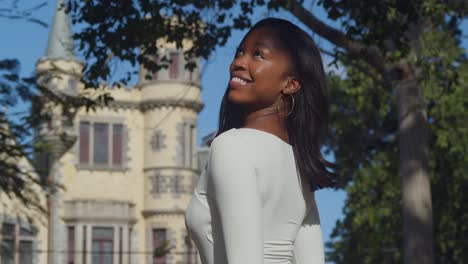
{"x":250,"y":205}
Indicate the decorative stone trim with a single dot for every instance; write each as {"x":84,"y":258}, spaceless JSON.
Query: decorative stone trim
{"x":171,"y":212}
{"x":175,"y":183}
{"x":46,"y":64}
{"x":150,"y":104}
{"x":196,"y":84}
{"x":135,"y":105}
{"x":99,"y":210}
{"x":158,"y":140}
{"x":177,"y":168}
{"x":159,"y":184}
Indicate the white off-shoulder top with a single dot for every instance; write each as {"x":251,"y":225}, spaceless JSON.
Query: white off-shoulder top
{"x":250,"y":206}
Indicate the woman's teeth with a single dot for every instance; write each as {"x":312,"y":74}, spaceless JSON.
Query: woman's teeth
{"x":238,"y":80}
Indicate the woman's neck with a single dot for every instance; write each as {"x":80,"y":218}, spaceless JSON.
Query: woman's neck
{"x":269,"y":119}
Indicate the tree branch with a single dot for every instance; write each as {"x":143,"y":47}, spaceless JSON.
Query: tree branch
{"x":370,"y":54}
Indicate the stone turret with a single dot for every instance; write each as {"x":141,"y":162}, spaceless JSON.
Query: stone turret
{"x":170,"y":104}
{"x":59,"y":72}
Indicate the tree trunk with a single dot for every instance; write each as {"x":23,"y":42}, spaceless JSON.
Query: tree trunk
{"x":413,"y":135}
{"x":414,"y":173}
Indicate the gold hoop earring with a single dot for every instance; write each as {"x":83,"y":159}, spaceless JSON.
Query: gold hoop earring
{"x":292,"y":107}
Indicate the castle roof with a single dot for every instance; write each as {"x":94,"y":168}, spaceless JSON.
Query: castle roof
{"x":60,"y":44}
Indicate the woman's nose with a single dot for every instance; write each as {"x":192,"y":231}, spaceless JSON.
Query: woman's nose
{"x":239,"y":63}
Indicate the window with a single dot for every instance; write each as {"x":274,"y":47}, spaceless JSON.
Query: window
{"x":25,"y":252}
{"x":102,"y":245}
{"x":71,"y":244}
{"x":154,"y":75}
{"x":174,"y":66}
{"x":191,"y":145}
{"x":130,"y":233}
{"x":159,"y":243}
{"x":83,"y":260}
{"x":187,"y":139}
{"x":192,"y":73}
{"x":157,"y":184}
{"x":120,"y":245}
{"x":157,"y":140}
{"x":101,"y":144}
{"x":8,"y":243}
{"x":15,"y":238}
{"x":178,"y":184}
{"x":117,"y":139}
{"x":84,"y":142}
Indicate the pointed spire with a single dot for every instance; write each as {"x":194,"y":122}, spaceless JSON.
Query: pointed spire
{"x":60,"y":44}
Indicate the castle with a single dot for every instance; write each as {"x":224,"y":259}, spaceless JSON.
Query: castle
{"x":127,"y":172}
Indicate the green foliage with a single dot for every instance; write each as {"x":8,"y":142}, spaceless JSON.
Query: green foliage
{"x":128,"y":30}
{"x":16,"y":142}
{"x":449,"y":167}
{"x":163,"y":249}
{"x":390,"y":24}
{"x":363,"y":115}
{"x":371,"y":229}
{"x":24,"y":107}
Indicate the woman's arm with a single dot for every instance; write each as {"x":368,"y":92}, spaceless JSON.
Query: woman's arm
{"x":237,"y":201}
{"x":308,"y":247}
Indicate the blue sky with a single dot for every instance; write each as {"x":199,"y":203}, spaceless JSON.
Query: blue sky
{"x":27,"y":42}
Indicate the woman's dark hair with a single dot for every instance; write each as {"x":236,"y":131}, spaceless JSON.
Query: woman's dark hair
{"x":307,"y":124}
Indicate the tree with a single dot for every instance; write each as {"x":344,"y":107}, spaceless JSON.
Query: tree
{"x":370,"y":231}
{"x":14,"y":135}
{"x":16,"y":128}
{"x":384,"y":40}
{"x":25,"y":107}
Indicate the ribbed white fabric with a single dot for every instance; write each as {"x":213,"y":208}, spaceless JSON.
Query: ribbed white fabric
{"x":278,"y":251}
{"x":250,"y":207}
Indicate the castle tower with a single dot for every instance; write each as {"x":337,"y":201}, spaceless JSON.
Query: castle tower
{"x":170,"y":104}
{"x":58,"y":71}
{"x":128,"y":167}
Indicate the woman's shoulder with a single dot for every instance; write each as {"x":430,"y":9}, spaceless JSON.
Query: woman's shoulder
{"x":229,"y":148}
{"x":230,"y":139}
{"x":249,"y":138}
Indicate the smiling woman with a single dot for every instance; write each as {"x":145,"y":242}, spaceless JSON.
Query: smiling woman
{"x":254,"y":202}
{"x":262,"y":68}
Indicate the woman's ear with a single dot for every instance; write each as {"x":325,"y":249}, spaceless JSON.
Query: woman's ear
{"x":292,"y":86}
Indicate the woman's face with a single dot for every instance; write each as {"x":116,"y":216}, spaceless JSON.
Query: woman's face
{"x":259,"y":72}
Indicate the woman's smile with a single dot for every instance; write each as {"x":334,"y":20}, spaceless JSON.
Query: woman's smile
{"x":238,"y":82}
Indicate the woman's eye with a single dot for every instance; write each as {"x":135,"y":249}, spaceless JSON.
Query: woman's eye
{"x":258,"y":53}
{"x":239,"y":52}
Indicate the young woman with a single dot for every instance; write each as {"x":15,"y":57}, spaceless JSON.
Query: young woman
{"x":254,"y":202}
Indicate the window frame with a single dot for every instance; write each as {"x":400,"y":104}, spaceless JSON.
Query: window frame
{"x":71,"y":244}
{"x":161,"y":259}
{"x":111,"y":123}
{"x":101,"y":241}
{"x":187,"y":143}
{"x":174,"y":71}
{"x":17,"y":237}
